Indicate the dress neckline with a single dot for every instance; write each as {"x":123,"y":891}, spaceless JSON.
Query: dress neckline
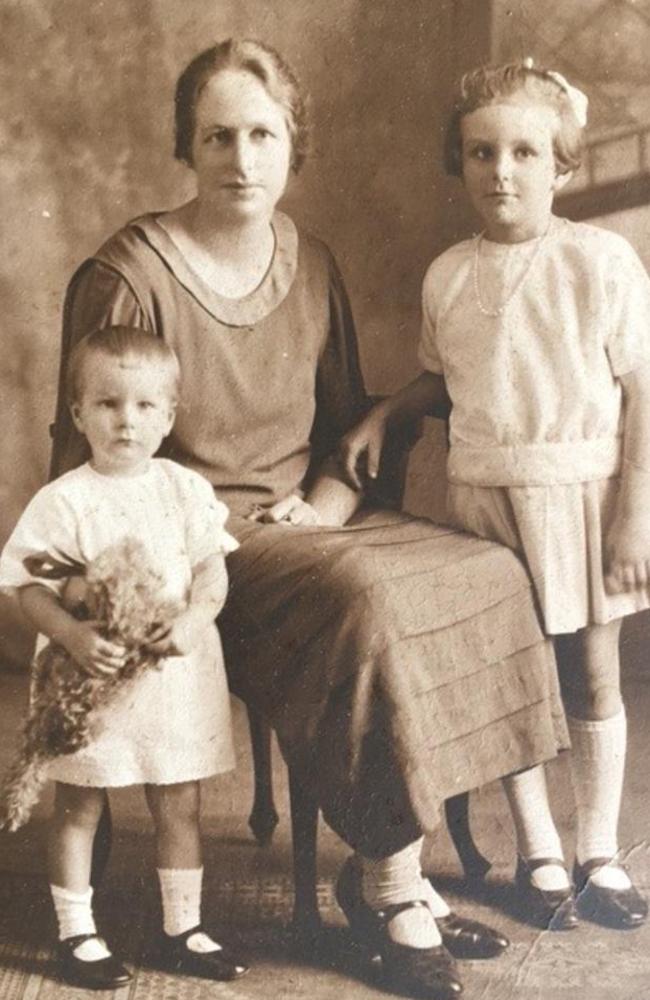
{"x":249,"y":309}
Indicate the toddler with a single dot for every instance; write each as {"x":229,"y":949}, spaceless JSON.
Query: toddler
{"x":167,"y":728}
{"x":536,"y":338}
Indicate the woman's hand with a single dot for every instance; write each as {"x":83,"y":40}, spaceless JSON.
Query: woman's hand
{"x":292,"y":511}
{"x":366,"y":439}
{"x":627,"y":553}
{"x":180,"y":636}
{"x":95,"y":655}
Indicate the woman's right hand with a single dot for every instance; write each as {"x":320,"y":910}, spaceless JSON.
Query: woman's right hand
{"x":366,"y":439}
{"x":94,"y":654}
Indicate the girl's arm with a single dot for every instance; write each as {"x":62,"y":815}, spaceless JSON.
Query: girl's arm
{"x":425,"y":396}
{"x":627,"y":546}
{"x":81,"y":639}
{"x":207,"y":597}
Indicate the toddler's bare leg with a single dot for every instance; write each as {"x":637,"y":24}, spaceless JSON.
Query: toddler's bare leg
{"x":175,"y":810}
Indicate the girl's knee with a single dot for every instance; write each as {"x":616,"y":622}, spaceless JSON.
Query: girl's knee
{"x":78,"y":806}
{"x":174,"y":804}
{"x":595,"y":704}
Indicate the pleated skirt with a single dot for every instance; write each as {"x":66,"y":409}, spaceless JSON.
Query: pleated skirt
{"x":399,"y":662}
{"x":559,"y":531}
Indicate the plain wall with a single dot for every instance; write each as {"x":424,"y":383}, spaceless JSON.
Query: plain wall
{"x":86,"y":139}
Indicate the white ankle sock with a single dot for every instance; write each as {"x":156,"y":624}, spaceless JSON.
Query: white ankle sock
{"x":398,"y":879}
{"x":75,"y":916}
{"x":597,"y":770}
{"x":535,"y":829}
{"x":180,"y":890}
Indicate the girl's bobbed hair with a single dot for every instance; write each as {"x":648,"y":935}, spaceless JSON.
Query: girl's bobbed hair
{"x":264,"y":63}
{"x":120,"y":342}
{"x":496,"y":84}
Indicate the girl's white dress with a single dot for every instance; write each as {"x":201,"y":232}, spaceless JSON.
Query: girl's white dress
{"x":167,"y":725}
{"x":536,"y":424}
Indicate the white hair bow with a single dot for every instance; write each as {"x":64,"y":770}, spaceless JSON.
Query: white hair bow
{"x":579,"y":102}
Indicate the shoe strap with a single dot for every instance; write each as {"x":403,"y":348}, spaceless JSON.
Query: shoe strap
{"x":532,"y":864}
{"x":185,"y":935}
{"x":594,"y":864}
{"x":386,"y":914}
{"x":73,"y":942}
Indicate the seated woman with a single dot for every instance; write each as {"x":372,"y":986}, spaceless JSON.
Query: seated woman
{"x":399,"y":662}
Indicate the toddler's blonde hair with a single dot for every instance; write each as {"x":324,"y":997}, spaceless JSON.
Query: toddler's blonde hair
{"x":120,"y":342}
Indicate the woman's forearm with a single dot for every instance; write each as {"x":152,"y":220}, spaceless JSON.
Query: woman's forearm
{"x":333,"y":500}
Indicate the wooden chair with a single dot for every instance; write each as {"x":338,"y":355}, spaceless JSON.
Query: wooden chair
{"x":387,"y":493}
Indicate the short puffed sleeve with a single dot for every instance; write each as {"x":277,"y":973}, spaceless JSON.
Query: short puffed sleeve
{"x":205,"y":520}
{"x":44,"y":546}
{"x":428,"y":354}
{"x":628,"y":293}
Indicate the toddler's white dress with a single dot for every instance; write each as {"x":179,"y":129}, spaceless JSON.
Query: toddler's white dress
{"x":536,"y":423}
{"x":167,"y":725}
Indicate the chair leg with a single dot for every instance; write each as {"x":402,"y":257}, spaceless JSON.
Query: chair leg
{"x":475,"y":866}
{"x":102,"y":843}
{"x":304,"y":830}
{"x":263,"y":818}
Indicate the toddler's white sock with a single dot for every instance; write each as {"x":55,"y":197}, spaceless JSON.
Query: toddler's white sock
{"x":75,"y":916}
{"x":597,"y":771}
{"x":535,"y":829}
{"x":180,"y":890}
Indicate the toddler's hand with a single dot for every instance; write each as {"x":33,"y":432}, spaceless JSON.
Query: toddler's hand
{"x":627,"y":554}
{"x":94,"y":654}
{"x":365,"y":439}
{"x":180,"y":636}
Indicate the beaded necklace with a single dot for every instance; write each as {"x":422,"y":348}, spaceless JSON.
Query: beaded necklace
{"x":483,"y":309}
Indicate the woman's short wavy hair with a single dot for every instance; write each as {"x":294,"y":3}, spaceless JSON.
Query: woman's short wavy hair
{"x":496,"y":84}
{"x":264,"y":63}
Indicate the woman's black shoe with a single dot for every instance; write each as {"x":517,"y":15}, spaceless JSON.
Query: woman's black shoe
{"x":552,"y":909}
{"x":469,"y":938}
{"x":99,"y":974}
{"x":623,"y":909}
{"x":428,"y":973}
{"x":178,"y":957}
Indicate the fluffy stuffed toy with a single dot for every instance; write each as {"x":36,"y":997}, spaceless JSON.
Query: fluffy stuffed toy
{"x":122,"y":592}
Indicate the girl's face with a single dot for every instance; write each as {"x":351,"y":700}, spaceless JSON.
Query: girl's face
{"x":241,"y":148}
{"x":125,"y":411}
{"x":509,"y":168}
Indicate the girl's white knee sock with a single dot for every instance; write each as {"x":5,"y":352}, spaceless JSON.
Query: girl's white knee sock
{"x":597,"y":770}
{"x":535,"y":829}
{"x":180,"y":891}
{"x":75,"y":916}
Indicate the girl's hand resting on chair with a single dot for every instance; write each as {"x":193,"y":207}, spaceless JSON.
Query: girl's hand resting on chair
{"x":364,"y":440}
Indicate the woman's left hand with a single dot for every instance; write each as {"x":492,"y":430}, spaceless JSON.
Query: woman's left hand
{"x":292,"y":511}
{"x":627,"y":554}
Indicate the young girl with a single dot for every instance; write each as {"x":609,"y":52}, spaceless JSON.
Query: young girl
{"x":537,"y":333}
{"x":168,"y":728}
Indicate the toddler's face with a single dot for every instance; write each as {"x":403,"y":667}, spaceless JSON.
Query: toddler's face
{"x":125,"y":411}
{"x":509,"y":167}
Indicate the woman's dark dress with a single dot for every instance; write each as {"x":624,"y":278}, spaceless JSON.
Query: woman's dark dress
{"x":399,"y":662}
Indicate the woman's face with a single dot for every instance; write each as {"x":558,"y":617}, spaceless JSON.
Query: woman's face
{"x":241,"y":147}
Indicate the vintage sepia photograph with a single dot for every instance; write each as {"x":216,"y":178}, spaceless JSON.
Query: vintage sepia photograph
{"x":325,"y":521}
